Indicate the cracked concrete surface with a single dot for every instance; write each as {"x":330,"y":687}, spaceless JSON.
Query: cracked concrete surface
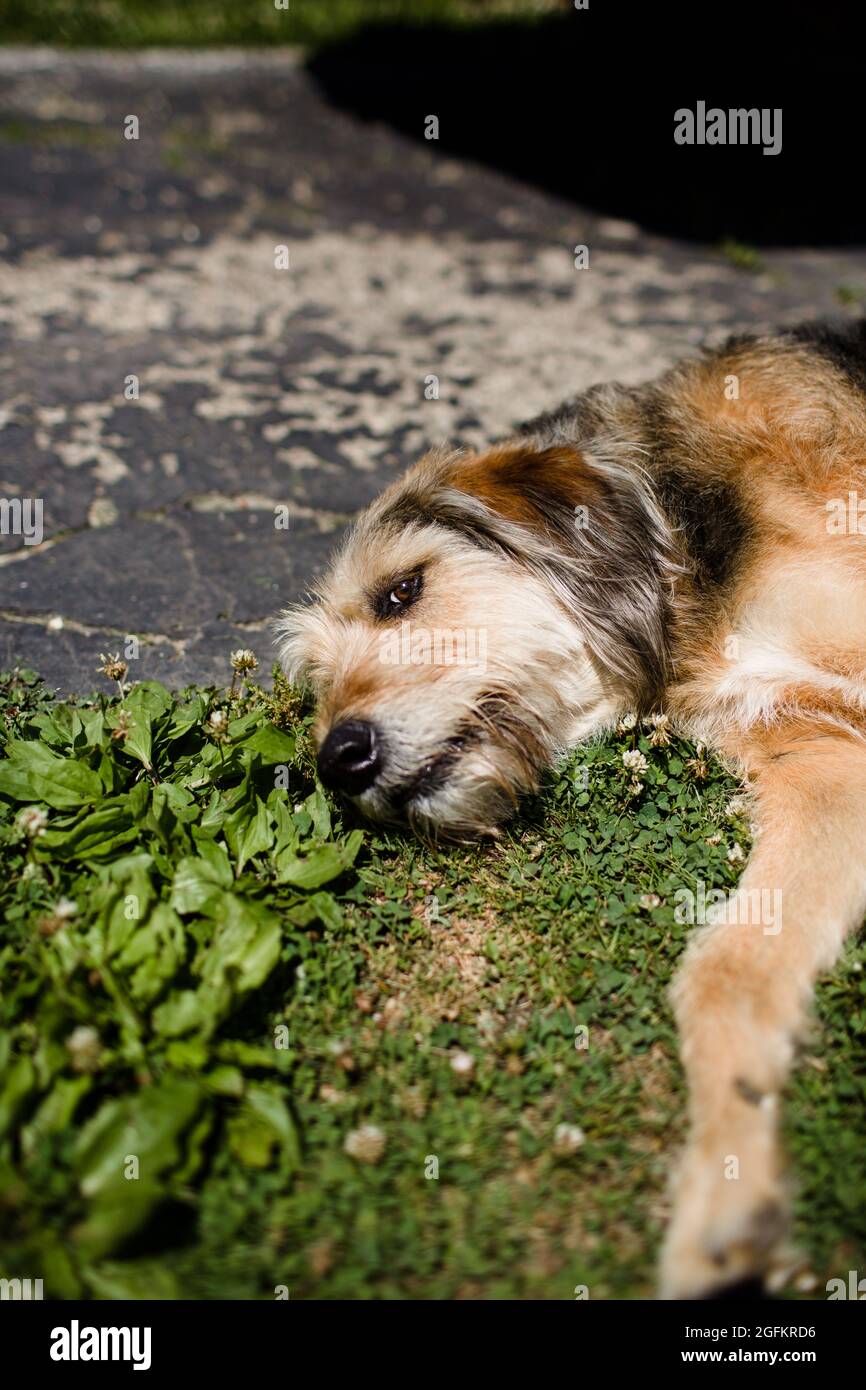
{"x":265,"y":392}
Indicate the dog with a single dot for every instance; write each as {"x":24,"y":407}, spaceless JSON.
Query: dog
{"x":694,"y":546}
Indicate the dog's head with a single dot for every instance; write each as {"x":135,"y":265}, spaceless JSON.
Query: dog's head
{"x":484,"y":614}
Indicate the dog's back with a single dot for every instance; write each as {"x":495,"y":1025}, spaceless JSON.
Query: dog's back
{"x":756,"y":453}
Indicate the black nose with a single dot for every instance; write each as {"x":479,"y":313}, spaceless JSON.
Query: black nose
{"x":350,"y":759}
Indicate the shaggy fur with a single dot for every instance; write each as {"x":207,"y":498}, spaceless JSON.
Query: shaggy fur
{"x":693,"y":545}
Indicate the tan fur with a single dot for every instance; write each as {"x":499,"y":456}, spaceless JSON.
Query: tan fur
{"x":741,"y":999}
{"x":767,"y":664}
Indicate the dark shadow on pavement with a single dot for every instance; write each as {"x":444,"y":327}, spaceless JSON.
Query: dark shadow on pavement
{"x":582,"y":105}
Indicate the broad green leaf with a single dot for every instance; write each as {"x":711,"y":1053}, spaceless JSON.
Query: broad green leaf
{"x":180,"y":802}
{"x":150,"y":698}
{"x":238,"y":729}
{"x":56,"y":727}
{"x":271,"y":745}
{"x":135,"y":737}
{"x":327,"y":909}
{"x":147,"y":1125}
{"x":56,"y":1111}
{"x":319,"y":812}
{"x":214,"y":814}
{"x":127,"y":910}
{"x":120,"y":869}
{"x":186,"y":717}
{"x":254,"y":1054}
{"x":267,"y":1102}
{"x":240,"y":955}
{"x":225,"y":1080}
{"x":95,"y":835}
{"x":262,"y":1126}
{"x":93,"y":727}
{"x":18,"y":1086}
{"x":153,"y":954}
{"x":286,"y":831}
{"x":185,"y":1054}
{"x":184,"y":1011}
{"x":162,"y":820}
{"x":113,"y":1217}
{"x":195,"y":880}
{"x":143,"y":707}
{"x":134,"y":1280}
{"x":245,"y":945}
{"x":321,"y":865}
{"x":215,"y":855}
{"x":33,"y":773}
{"x":256,"y":837}
{"x":251,"y":1140}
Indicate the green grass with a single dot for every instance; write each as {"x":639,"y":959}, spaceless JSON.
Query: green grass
{"x":53,"y":133}
{"x":742,"y":257}
{"x":212,"y":979}
{"x":850,"y":296}
{"x":141,"y":23}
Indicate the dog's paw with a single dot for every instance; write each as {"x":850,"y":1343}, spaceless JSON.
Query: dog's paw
{"x":705,"y":1260}
{"x":724,"y":1232}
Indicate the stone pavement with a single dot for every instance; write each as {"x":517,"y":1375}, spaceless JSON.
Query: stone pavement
{"x":270,"y":394}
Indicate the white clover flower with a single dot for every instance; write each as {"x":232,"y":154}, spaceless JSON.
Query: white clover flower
{"x":650,"y":900}
{"x":85,"y":1048}
{"x":660,"y":736}
{"x":634,"y":760}
{"x":32,"y":820}
{"x":218,"y":721}
{"x":65,"y":908}
{"x":568,"y":1139}
{"x":244,"y":660}
{"x":735,"y":854}
{"x":627,"y":722}
{"x":112,"y":666}
{"x":366,"y":1144}
{"x":463,"y":1063}
{"x":736,"y":806}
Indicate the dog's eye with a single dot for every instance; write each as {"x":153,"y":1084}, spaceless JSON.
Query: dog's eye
{"x":402,"y":592}
{"x":400,"y":596}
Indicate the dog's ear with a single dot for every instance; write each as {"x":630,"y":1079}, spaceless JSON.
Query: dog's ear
{"x":592,"y":530}
{"x":537,"y":488}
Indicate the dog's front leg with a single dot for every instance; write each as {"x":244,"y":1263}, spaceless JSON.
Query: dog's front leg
{"x":741,"y":998}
